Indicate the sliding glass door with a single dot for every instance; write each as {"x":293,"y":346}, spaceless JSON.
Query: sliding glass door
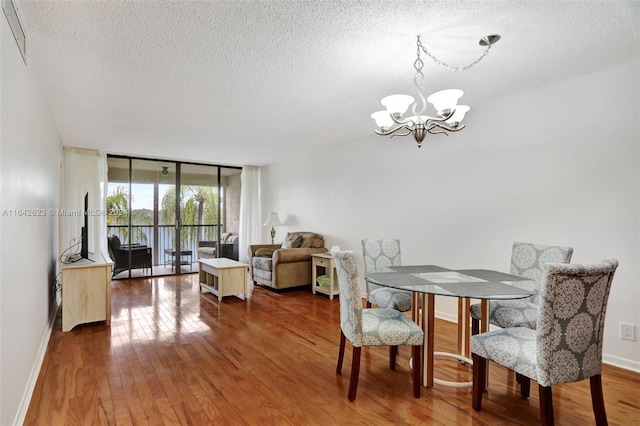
{"x":170,"y":212}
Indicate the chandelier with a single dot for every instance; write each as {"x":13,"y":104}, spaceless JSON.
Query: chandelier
{"x":449,"y":114}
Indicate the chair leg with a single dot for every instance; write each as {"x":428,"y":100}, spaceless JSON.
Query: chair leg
{"x":393,"y":353}
{"x":341,"y":352}
{"x":546,"y":405}
{"x":597,"y":400}
{"x":417,"y":370}
{"x":479,"y":377}
{"x":525,"y":385}
{"x":355,"y":372}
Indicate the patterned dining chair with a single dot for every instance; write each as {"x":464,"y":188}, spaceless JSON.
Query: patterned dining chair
{"x":566,"y":345}
{"x":379,"y":255}
{"x":527,"y":260}
{"x":371,"y":327}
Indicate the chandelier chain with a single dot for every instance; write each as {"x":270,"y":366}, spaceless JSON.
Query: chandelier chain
{"x":451,"y":67}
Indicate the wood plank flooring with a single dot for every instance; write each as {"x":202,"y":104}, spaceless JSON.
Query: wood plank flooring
{"x":174,"y":356}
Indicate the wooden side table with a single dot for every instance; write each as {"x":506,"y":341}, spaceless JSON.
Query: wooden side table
{"x":324,"y":260}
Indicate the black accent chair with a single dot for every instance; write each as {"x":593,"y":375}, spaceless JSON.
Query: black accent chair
{"x":141,"y":256}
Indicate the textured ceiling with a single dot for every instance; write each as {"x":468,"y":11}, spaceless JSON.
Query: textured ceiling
{"x":255,"y":82}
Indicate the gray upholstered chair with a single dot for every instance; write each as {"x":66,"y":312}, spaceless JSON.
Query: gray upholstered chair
{"x":527,"y":260}
{"x":379,"y":255}
{"x":566,"y":345}
{"x":371,"y":327}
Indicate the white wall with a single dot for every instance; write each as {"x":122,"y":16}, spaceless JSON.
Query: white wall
{"x":556,"y":165}
{"x":30,"y":158}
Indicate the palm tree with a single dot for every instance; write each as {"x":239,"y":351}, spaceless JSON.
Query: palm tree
{"x":118,"y":215}
{"x":118,"y":207}
{"x":198,"y":206}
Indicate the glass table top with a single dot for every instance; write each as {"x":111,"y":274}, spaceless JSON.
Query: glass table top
{"x":468,"y":283}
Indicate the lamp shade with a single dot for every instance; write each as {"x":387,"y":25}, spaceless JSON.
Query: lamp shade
{"x":445,"y":100}
{"x":458,"y":115}
{"x":383,"y":119}
{"x":272,"y":220}
{"x":397,"y":104}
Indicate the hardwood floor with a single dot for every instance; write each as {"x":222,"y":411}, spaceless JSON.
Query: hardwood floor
{"x":175,"y":356}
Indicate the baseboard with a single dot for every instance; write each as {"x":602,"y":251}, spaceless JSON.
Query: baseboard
{"x":35,"y":371}
{"x":447,"y":316}
{"x":627,"y":364}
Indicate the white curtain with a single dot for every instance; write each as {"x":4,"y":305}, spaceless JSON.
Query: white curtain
{"x":250,"y":230}
{"x":85,"y":171}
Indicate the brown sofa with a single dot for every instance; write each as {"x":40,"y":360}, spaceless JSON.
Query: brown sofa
{"x":288,"y":264}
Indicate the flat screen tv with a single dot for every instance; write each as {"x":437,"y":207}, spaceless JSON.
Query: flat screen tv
{"x":84,"y":236}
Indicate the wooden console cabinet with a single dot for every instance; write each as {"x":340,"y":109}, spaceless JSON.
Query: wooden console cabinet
{"x":86,"y":291}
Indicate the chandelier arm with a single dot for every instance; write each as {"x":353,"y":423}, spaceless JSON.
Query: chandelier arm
{"x":441,"y":132}
{"x":402,"y":134}
{"x":432,"y":126}
{"x":444,"y":127}
{"x":392,"y":131}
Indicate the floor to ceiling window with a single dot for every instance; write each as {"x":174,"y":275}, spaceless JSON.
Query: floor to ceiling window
{"x":165,"y":215}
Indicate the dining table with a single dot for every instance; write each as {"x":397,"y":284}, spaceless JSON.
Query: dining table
{"x":427,"y":281}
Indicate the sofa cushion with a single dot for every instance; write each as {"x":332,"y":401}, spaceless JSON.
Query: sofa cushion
{"x":264,"y":252}
{"x":264,"y":263}
{"x":309,"y":239}
{"x":262,"y":276}
{"x":207,"y":250}
{"x":224,"y":236}
{"x":292,"y":241}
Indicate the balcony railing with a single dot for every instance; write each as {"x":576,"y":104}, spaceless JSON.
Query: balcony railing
{"x":163,"y":237}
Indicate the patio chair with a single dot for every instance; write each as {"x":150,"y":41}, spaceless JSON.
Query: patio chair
{"x":141,"y":256}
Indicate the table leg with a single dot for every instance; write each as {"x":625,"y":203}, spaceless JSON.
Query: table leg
{"x":464,"y":331}
{"x":484,"y":326}
{"x":428,"y":325}
{"x":415,"y":308}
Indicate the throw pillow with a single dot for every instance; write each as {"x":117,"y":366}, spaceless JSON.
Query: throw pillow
{"x":294,"y":243}
{"x":264,"y":252}
{"x":115,"y":242}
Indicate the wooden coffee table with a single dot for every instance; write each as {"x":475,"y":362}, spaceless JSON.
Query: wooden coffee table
{"x":223,"y":277}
